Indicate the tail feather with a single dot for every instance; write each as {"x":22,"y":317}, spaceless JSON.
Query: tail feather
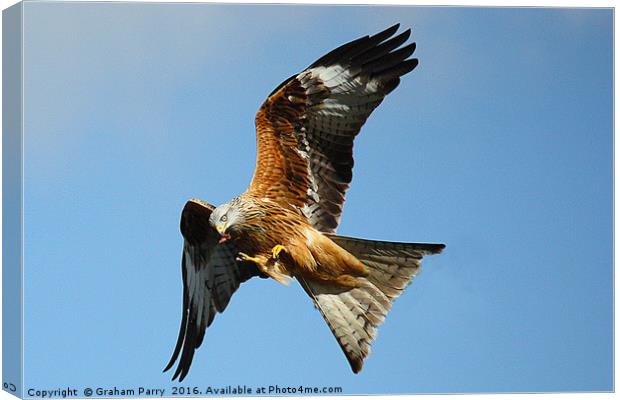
{"x":354,"y":314}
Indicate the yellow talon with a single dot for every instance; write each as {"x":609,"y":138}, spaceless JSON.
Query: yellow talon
{"x":245,"y":257}
{"x":277,"y":249}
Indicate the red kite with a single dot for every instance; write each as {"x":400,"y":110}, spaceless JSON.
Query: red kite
{"x":284,"y":225}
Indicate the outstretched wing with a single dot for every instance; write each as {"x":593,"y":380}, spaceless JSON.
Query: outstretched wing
{"x":210,"y":276}
{"x":306,"y":127}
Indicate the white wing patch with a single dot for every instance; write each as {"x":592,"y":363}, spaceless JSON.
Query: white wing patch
{"x":342,"y":89}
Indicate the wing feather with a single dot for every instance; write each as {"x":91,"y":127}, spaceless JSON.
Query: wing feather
{"x":306,"y":127}
{"x":210,"y":277}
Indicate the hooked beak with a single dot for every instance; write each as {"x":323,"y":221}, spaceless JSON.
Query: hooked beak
{"x":221,"y":229}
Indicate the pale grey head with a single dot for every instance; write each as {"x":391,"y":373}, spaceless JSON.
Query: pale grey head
{"x":226,"y":218}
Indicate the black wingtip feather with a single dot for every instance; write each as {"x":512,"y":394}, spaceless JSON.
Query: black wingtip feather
{"x":186,"y":358}
{"x":390,"y":60}
{"x":333,"y":55}
{"x":355,"y":363}
{"x":398,"y":70}
{"x":438,"y":248}
{"x":389,"y":32}
{"x":378,"y":55}
{"x":390,"y":85}
{"x":178,"y":346}
{"x":382,"y":49}
{"x":184,"y":312}
{"x":430,"y":248}
{"x":349,"y":51}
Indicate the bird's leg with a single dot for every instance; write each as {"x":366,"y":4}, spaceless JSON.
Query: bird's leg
{"x":245,"y":257}
{"x":266,"y":266}
{"x":277,"y":249}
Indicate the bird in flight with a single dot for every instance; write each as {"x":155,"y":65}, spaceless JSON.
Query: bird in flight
{"x":283,"y":226}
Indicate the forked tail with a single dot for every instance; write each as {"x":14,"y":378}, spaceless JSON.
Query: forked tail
{"x":353,"y":315}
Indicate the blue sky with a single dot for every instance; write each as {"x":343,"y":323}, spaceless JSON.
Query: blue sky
{"x":499,"y":145}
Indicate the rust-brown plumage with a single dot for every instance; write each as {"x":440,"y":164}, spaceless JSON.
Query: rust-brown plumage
{"x":283,"y":226}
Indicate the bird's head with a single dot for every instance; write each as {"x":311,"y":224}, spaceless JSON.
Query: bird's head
{"x":227,"y":219}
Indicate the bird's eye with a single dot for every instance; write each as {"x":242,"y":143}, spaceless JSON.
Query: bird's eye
{"x":224,"y":218}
